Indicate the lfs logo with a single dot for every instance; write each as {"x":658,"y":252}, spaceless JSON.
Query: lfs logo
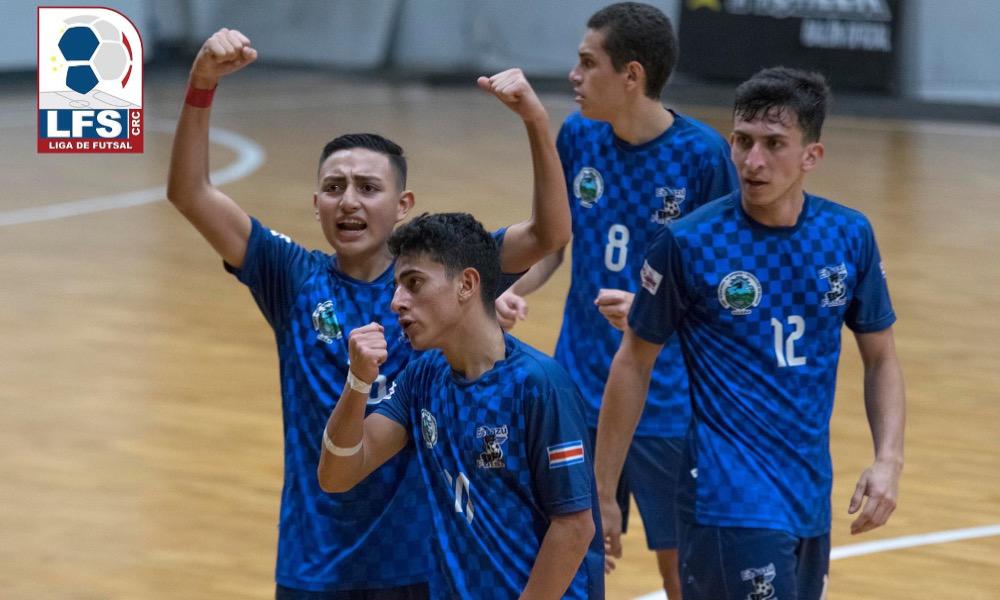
{"x":89,"y":81}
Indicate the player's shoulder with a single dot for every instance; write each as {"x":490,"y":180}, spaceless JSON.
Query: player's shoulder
{"x":720,"y":210}
{"x":535,"y":366}
{"x":422,"y":369}
{"x":262,"y":234}
{"x":577,"y":125}
{"x":700,"y":133}
{"x":844,"y":215}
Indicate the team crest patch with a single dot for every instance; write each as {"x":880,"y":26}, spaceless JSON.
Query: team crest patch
{"x":672,"y":199}
{"x":493,"y":438}
{"x":739,"y":292}
{"x":836,"y":277}
{"x":650,"y":278}
{"x":565,"y":454}
{"x":428,"y":428}
{"x":588,"y":186}
{"x":761,"y":580}
{"x":325,"y":322}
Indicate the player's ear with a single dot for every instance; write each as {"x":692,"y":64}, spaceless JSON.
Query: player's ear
{"x":468,"y":284}
{"x":812,"y":156}
{"x":316,"y":205}
{"x":635,"y":75}
{"x":405,"y":205}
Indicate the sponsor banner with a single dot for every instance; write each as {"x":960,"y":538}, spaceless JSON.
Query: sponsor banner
{"x":854,"y":43}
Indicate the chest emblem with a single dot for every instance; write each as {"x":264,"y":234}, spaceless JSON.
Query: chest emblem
{"x":836,"y":277}
{"x":428,"y":428}
{"x":588,"y":186}
{"x":739,"y":292}
{"x":672,"y":199}
{"x":325,"y":322}
{"x":493,"y":439}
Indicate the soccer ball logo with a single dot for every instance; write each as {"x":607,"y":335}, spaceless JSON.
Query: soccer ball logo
{"x":96,"y":52}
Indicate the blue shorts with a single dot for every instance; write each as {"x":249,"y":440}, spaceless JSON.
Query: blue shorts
{"x":416,"y":591}
{"x":735,"y":563}
{"x":650,"y":475}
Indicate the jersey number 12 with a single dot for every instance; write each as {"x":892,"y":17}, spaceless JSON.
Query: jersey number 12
{"x":784,"y":348}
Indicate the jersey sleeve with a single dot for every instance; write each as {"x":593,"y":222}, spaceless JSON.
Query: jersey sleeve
{"x":274,"y":269}
{"x":564,"y":147}
{"x":661,"y":300}
{"x":558,"y":443}
{"x":506,"y":279}
{"x":396,"y":405}
{"x":870,"y":309}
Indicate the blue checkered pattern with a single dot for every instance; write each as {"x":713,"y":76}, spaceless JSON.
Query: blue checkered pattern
{"x":760,"y":431}
{"x":642,"y":188}
{"x":376,"y":534}
{"x":482,"y":447}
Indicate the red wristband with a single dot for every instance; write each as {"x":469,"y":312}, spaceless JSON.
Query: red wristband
{"x":198,"y":97}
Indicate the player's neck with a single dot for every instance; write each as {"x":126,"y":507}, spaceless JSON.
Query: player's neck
{"x":644,"y":120}
{"x":475,"y":346}
{"x":783,"y":212}
{"x":365,"y":267}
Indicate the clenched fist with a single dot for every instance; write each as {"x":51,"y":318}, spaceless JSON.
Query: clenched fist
{"x":512,"y":88}
{"x":227,"y":51}
{"x":367,"y":351}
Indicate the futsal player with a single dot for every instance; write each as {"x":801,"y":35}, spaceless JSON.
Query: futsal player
{"x":498,"y":426}
{"x":632,"y":166}
{"x":370,"y":543}
{"x":757,"y":286}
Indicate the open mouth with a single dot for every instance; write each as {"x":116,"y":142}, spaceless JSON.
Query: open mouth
{"x":352,"y":225}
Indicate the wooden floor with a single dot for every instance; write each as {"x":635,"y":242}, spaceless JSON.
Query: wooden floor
{"x":140,"y":429}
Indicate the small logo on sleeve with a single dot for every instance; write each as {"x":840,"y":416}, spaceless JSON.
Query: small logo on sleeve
{"x":650,"y":277}
{"x":565,"y":454}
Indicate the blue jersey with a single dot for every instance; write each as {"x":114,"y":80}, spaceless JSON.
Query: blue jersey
{"x":759,"y":312}
{"x":376,"y":534}
{"x":499,"y":455}
{"x":620,"y":196}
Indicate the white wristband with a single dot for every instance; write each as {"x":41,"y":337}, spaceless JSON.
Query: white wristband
{"x":356,"y":384}
{"x":336,"y":450}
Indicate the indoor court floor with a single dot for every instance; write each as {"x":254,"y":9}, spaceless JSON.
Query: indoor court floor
{"x":140,"y":427}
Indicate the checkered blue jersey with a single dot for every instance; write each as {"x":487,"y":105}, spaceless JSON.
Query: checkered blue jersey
{"x":620,"y":196}
{"x":759,"y":311}
{"x":499,"y":455}
{"x":375,"y":534}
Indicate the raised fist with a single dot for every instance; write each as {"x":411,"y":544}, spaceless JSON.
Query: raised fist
{"x":367,"y":351}
{"x":512,"y":88}
{"x":227,"y":51}
{"x":511,"y":308}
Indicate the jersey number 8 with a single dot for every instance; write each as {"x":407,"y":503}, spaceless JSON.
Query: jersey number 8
{"x":616,"y":252}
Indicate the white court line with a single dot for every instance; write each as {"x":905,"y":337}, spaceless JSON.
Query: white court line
{"x":906,"y":541}
{"x":249,"y":157}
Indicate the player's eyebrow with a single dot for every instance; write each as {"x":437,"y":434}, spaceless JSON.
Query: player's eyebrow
{"x":407,"y":272}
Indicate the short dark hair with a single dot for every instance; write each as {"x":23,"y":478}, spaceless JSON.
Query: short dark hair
{"x":771,"y":91}
{"x":639,"y":32}
{"x":373,"y":142}
{"x":457,"y":241}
